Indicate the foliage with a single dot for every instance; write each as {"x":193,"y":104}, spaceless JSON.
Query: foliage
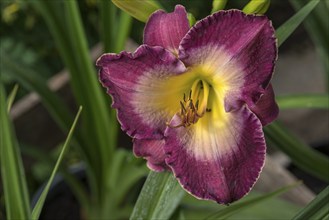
{"x":114,"y":175}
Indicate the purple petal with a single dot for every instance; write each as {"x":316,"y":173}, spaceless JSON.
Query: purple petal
{"x":137,"y":84}
{"x":153,"y":152}
{"x":248,"y":44}
{"x":217,"y":162}
{"x":266,"y":108}
{"x":166,"y":29}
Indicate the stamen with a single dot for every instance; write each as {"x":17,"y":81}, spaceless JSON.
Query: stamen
{"x":192,"y":111}
{"x":182,"y":106}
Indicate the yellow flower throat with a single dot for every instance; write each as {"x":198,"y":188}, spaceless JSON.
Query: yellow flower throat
{"x":194,"y":106}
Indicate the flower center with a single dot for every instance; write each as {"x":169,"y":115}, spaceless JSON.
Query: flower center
{"x":194,"y":106}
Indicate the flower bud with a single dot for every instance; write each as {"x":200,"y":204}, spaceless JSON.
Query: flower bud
{"x":191,"y":19}
{"x":218,"y":5}
{"x":257,"y":7}
{"x":139,"y":9}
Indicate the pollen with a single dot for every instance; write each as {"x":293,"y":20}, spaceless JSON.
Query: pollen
{"x":194,"y":106}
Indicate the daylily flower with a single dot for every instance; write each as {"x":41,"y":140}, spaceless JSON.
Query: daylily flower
{"x":195,"y":100}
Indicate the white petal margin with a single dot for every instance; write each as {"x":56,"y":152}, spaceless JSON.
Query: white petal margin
{"x":138,"y":83}
{"x":217,"y":161}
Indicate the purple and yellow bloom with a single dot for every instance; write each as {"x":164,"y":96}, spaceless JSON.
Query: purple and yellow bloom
{"x":195,"y":100}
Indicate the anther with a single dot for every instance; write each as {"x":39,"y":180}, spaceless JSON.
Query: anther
{"x":191,"y":111}
{"x":191,"y":105}
{"x":183,"y":107}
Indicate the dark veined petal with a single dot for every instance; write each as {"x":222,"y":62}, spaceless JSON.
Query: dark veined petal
{"x":266,"y":109}
{"x":166,"y":29}
{"x":153,"y":151}
{"x":215,"y":160}
{"x":137,"y":83}
{"x":238,"y":47}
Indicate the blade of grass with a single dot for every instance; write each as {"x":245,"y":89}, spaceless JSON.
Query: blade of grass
{"x":126,"y":170}
{"x":109,"y":27}
{"x":129,"y":175}
{"x":198,"y":209}
{"x":301,"y":154}
{"x":159,"y":197}
{"x":64,"y":21}
{"x":49,"y":10}
{"x":97,"y":104}
{"x":303,"y":101}
{"x":11,"y":97}
{"x":240,"y":206}
{"x":33,"y":82}
{"x":38,"y":206}
{"x":317,"y":208}
{"x":114,"y":40}
{"x":97,"y":124}
{"x":125,"y":26}
{"x":13,"y":178}
{"x":78,"y":190}
{"x":285,"y":30}
{"x":141,"y":10}
{"x":317,"y":24}
{"x":48,"y":161}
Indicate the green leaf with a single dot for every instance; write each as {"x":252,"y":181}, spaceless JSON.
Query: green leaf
{"x":125,"y":171}
{"x":34,"y":82}
{"x":317,"y":27}
{"x":12,"y":171}
{"x":139,"y":9}
{"x":317,"y":208}
{"x":301,"y":154}
{"x":11,"y":97}
{"x":130,"y":174}
{"x":38,"y":206}
{"x":123,"y":33}
{"x":303,"y":101}
{"x":200,"y":209}
{"x":159,"y":197}
{"x":109,"y":28}
{"x":240,"y":206}
{"x":285,"y":30}
{"x":64,"y":21}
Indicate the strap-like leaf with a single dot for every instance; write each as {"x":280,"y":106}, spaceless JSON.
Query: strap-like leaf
{"x":302,"y":155}
{"x":159,"y":197}
{"x":38,"y":206}
{"x":303,"y":101}
{"x":11,"y":97}
{"x":317,"y":27}
{"x":240,"y":206}
{"x":12,"y":171}
{"x":285,"y":30}
{"x":317,"y":209}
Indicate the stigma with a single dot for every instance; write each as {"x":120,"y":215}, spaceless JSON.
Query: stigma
{"x":194,"y":106}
